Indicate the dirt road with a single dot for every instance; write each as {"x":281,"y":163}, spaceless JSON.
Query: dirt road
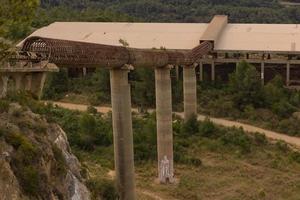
{"x":295,"y":141}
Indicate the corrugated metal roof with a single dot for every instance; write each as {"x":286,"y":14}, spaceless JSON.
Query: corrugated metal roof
{"x":235,"y":37}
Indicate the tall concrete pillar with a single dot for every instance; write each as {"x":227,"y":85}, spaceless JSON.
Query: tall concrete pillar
{"x":164,"y":125}
{"x":189,"y":92}
{"x":213,"y":73}
{"x":122,"y":129}
{"x":201,"y":71}
{"x":28,"y":82}
{"x":37,"y":83}
{"x":177,"y":72}
{"x":18,"y":77}
{"x":3,"y":86}
{"x":262,"y":70}
{"x":84,"y":71}
{"x":288,"y":74}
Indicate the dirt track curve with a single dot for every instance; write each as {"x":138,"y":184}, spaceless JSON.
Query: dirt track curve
{"x":295,"y":141}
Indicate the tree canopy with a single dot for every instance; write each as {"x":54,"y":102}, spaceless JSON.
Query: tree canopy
{"x":15,"y":21}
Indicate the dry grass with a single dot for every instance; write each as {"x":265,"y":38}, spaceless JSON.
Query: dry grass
{"x":229,"y":177}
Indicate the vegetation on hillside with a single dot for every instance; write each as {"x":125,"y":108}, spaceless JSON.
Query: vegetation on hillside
{"x":271,"y":106}
{"x":15,"y":21}
{"x":28,"y":146}
{"x":259,"y":11}
{"x":230,"y":155}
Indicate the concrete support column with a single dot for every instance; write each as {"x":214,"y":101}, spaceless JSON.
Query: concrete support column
{"x":164,"y":125}
{"x":18,"y":79}
{"x":213,"y":75}
{"x":201,"y":71}
{"x":84,"y":71}
{"x":3,"y":86}
{"x":288,"y":74}
{"x":177,"y":72}
{"x":37,"y":83}
{"x":122,"y":129}
{"x":28,"y":82}
{"x":189,"y":92}
{"x":262,"y":70}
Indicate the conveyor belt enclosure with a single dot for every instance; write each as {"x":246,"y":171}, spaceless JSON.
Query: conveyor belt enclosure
{"x":73,"y":53}
{"x":214,"y":29}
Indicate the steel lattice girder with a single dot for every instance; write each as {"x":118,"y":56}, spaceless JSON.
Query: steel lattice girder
{"x":71,"y":53}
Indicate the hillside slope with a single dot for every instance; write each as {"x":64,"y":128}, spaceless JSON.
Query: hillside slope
{"x":35,"y":158}
{"x":259,"y":11}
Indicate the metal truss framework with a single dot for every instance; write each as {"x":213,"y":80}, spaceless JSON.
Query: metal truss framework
{"x":71,"y":53}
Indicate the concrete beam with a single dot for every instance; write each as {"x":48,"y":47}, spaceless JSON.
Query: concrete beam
{"x":189,"y":92}
{"x":122,"y":129}
{"x":254,"y":61}
{"x":164,"y":125}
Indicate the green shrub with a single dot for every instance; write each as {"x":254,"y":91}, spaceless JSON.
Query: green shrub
{"x":57,"y":85}
{"x":191,"y":126}
{"x":207,"y":128}
{"x":237,"y":138}
{"x":14,"y":139}
{"x":30,"y":180}
{"x":4,"y":105}
{"x":2,"y":131}
{"x":102,"y":188}
{"x":28,"y":153}
{"x":245,"y":86}
{"x":283,"y":108}
{"x":260,"y":139}
{"x":295,"y":156}
{"x":282,"y":146}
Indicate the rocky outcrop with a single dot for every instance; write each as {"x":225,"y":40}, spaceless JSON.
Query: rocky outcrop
{"x":36,"y":161}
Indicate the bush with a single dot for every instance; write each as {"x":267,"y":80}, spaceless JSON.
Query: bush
{"x":245,"y":85}
{"x":103,"y":189}
{"x":57,"y":85}
{"x":30,"y":180}
{"x":4,"y":105}
{"x":144,"y":137}
{"x":289,"y":126}
{"x":28,"y":153}
{"x":295,"y":156}
{"x":260,"y":139}
{"x":282,"y":146}
{"x":207,"y":128}
{"x":283,"y":108}
{"x":14,"y":139}
{"x":237,"y":138}
{"x":191,"y":126}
